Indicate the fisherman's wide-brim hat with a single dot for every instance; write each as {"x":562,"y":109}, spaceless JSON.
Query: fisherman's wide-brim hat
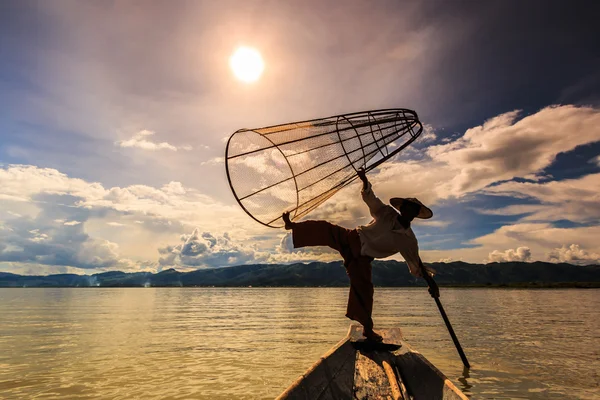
{"x":424,"y":212}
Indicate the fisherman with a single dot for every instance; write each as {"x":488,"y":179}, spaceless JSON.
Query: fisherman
{"x":387,"y":234}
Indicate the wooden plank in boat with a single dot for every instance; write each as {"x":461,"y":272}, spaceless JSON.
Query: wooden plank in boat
{"x":371,"y":381}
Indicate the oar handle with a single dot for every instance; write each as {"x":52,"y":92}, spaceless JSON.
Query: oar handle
{"x":436,"y":296}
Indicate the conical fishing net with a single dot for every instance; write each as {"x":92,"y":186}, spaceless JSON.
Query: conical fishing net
{"x":296,"y":167}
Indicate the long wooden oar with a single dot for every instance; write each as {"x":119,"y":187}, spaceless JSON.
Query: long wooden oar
{"x":436,"y":296}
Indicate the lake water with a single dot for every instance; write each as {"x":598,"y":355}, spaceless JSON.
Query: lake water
{"x":215,"y":343}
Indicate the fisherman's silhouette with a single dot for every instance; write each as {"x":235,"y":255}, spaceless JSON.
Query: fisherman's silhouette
{"x":388,"y":233}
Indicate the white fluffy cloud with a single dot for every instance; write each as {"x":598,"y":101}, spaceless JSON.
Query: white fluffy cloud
{"x":206,"y":250}
{"x":428,"y":134}
{"x":73,"y":221}
{"x":287,"y":253}
{"x":540,"y":238}
{"x":501,"y":149}
{"x":573,"y":254}
{"x":573,"y":199}
{"x":214,"y":161}
{"x":504,"y":147}
{"x":41,"y":240}
{"x":519,"y":254}
{"x":172,"y":202}
{"x":141,"y":140}
{"x":203,"y":249}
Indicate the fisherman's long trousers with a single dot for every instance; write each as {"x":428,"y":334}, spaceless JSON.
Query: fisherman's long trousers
{"x":358,"y":267}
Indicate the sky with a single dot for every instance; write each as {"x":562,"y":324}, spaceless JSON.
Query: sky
{"x":114,"y":118}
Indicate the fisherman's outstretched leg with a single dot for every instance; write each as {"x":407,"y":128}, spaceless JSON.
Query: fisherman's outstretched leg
{"x":321,"y":233}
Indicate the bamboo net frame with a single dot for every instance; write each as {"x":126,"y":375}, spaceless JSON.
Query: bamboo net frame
{"x":297,"y":166}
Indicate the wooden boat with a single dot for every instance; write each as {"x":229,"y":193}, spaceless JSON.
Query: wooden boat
{"x":355,"y":369}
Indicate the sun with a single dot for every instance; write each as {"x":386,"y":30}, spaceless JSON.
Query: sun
{"x":247,"y":64}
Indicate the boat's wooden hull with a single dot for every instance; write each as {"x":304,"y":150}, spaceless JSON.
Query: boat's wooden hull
{"x":354,"y":369}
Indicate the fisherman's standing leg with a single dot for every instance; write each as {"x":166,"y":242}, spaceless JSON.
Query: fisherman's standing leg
{"x":360,"y":299}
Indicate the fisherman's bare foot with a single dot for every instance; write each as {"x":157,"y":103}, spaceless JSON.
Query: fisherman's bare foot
{"x":372,"y":336}
{"x":286,"y":219}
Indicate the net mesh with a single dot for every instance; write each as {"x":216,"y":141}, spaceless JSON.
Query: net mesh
{"x":296,"y":167}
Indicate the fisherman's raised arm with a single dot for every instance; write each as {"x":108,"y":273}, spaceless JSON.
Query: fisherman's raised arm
{"x":375,"y":205}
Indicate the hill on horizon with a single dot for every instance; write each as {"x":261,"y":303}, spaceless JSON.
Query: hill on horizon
{"x":333,"y":274}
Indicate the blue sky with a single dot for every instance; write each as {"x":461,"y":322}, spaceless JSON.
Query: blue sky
{"x":113,"y":117}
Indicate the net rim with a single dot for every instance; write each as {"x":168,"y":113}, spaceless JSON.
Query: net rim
{"x":372,"y":112}
{"x":237,"y":198}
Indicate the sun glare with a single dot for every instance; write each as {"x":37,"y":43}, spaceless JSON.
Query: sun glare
{"x":247,"y":64}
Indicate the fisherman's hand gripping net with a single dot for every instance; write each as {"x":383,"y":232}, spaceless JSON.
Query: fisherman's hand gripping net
{"x":296,"y":167}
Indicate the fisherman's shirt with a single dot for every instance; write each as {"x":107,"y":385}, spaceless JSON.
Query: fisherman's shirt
{"x":385,"y":236}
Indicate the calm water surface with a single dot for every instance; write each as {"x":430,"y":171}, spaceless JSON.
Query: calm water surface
{"x":181,"y":343}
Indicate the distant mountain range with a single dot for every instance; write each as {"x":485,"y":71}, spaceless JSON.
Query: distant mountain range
{"x":385,"y":273}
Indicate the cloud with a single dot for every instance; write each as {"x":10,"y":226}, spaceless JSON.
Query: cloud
{"x":286,"y":245}
{"x":433,"y":223}
{"x":171,"y":202}
{"x":519,"y":254}
{"x":72,"y":223}
{"x":573,"y":199}
{"x":428,"y":134}
{"x":214,"y":161}
{"x":540,"y":237}
{"x":573,"y":254}
{"x":200,"y":250}
{"x":203,"y":250}
{"x":69,"y":218}
{"x":503,"y":148}
{"x":141,"y":140}
{"x":41,"y":240}
{"x":175,"y":188}
{"x":286,"y":252}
